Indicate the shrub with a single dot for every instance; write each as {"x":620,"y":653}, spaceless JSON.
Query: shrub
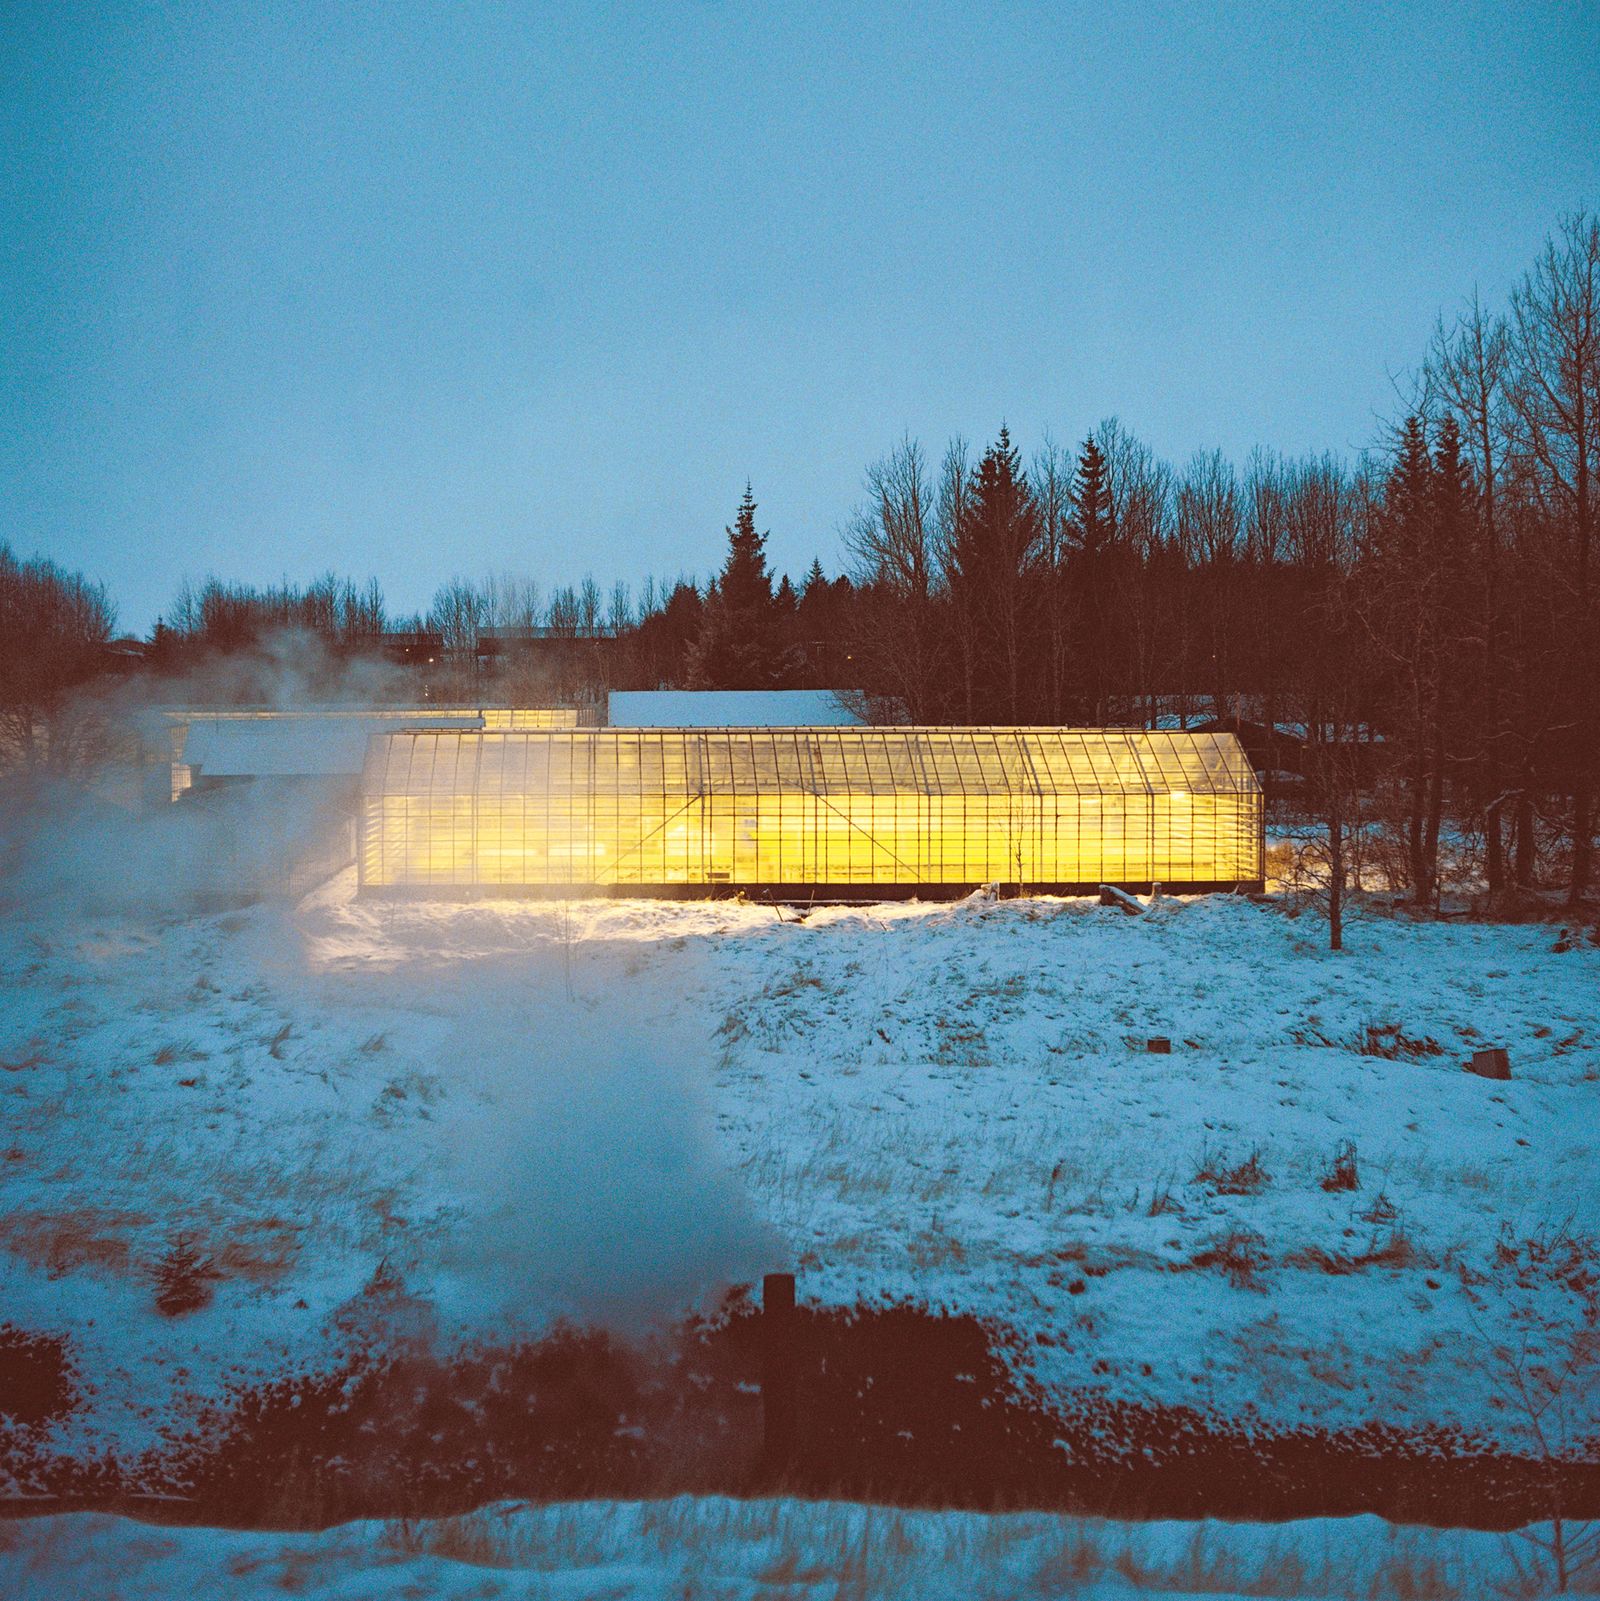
{"x":183,"y":1279}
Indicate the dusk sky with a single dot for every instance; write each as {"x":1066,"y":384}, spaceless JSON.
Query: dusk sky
{"x":411,"y":290}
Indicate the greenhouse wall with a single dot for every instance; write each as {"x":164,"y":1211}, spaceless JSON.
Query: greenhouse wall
{"x":806,"y":814}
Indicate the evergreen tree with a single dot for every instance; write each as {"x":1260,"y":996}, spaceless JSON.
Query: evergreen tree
{"x":1091,"y":528}
{"x":741,"y":644}
{"x":1408,"y":496}
{"x":992,"y":598}
{"x":1403,"y":605}
{"x":745,"y":585}
{"x":1093,"y":524}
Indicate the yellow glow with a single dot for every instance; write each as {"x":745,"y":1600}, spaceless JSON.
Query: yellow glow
{"x":672,"y":809}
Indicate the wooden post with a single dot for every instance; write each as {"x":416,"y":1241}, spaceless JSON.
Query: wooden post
{"x":777,"y":1370}
{"x":1492,"y":1063}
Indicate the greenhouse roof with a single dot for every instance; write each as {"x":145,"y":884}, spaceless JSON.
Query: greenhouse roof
{"x":818,"y":760}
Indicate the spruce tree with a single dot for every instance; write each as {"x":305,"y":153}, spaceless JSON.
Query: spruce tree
{"x":745,"y":584}
{"x":741,"y":644}
{"x":1092,"y":520}
{"x":992,"y":599}
{"x":1092,"y":528}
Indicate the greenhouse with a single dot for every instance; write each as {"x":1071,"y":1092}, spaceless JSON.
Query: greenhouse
{"x":808,"y":814}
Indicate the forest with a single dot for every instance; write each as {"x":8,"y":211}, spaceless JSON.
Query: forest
{"x":1420,"y":622}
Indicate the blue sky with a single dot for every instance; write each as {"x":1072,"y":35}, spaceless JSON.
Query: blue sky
{"x":413,"y":290}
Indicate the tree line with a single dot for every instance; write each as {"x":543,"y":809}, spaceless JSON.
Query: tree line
{"x":1423,"y":619}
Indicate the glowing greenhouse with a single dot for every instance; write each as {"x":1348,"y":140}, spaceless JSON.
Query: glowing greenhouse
{"x":805,"y":813}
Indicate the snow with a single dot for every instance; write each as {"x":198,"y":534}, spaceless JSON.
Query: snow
{"x":615,"y":1108}
{"x":682,"y":1549}
{"x":729,"y":708}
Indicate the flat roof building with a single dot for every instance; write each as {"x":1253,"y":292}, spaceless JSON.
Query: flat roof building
{"x":729,"y":708}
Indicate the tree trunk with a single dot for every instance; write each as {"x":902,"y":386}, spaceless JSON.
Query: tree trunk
{"x":1428,"y":891}
{"x":1582,"y":839}
{"x":1494,"y":848}
{"x":1525,"y":849}
{"x":1415,"y":855}
{"x":1336,"y":879}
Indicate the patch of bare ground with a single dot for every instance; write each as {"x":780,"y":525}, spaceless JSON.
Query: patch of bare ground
{"x":899,"y":1404}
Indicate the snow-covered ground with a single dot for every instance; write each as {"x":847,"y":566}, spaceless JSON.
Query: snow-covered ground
{"x":613,"y":1108}
{"x":695,"y":1550}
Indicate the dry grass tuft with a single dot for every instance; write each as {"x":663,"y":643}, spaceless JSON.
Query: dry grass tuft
{"x":1342,"y":1173}
{"x":1390,"y":1041}
{"x":1226,"y":1177}
{"x":1240,"y":1253}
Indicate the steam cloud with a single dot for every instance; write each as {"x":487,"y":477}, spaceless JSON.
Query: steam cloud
{"x":88,"y":828}
{"x":589,"y":1165}
{"x":580,"y":1171}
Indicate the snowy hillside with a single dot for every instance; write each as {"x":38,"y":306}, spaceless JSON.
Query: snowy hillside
{"x":614,"y":1109}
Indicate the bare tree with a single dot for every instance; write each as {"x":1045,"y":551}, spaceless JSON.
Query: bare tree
{"x":1542,"y":1362}
{"x":54,"y":625}
{"x":1209,"y":525}
{"x":1329,"y":687}
{"x":1554,"y":395}
{"x":619,"y":610}
{"x":1141,"y":514}
{"x":1265,"y":512}
{"x":457,"y":613}
{"x":951,"y":507}
{"x":1051,"y":476}
{"x":1465,"y":375}
{"x":891,"y":538}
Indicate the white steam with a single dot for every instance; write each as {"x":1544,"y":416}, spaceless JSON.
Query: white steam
{"x":569,"y":1164}
{"x":582,"y":1173}
{"x":86,"y":821}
